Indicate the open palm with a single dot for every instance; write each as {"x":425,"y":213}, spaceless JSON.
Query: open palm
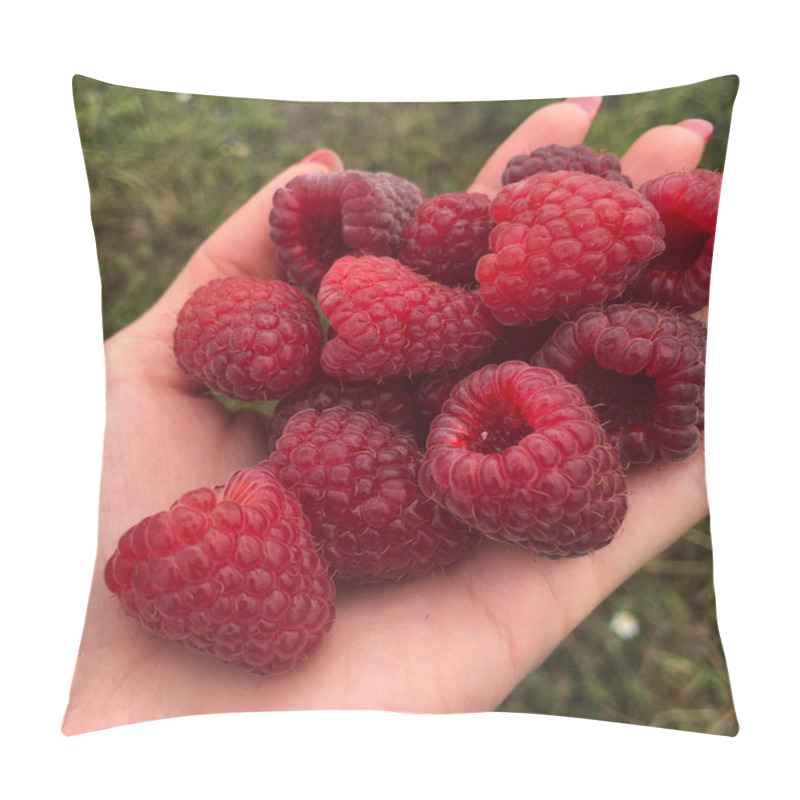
{"x":455,"y":642}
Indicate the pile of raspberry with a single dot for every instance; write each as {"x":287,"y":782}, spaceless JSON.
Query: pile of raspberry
{"x":440,"y":371}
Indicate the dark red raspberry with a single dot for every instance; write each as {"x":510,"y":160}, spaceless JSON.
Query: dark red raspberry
{"x":518,"y":454}
{"x":564,"y":241}
{"x":446,"y":237}
{"x":643,"y":369}
{"x":249,"y":338}
{"x":356,"y":478}
{"x":319,"y":217}
{"x":230,"y":571}
{"x":556,"y":157}
{"x":687,"y":203}
{"x":389,"y":399}
{"x":390,"y":321}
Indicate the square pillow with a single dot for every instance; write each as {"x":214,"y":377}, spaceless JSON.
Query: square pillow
{"x":165,"y":171}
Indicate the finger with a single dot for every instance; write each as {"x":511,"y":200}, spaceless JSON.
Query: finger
{"x":565,"y":123}
{"x":240,"y":246}
{"x":666,"y":148}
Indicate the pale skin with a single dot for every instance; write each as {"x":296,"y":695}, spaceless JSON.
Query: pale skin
{"x":458,"y":641}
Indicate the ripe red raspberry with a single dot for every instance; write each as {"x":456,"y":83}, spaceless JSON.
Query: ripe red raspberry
{"x":390,"y":321}
{"x":564,"y":241}
{"x":643,"y":369}
{"x":249,"y":338}
{"x":230,"y":571}
{"x":687,"y":203}
{"x":446,"y":237}
{"x":518,"y":454}
{"x":556,"y":157}
{"x":319,"y":217}
{"x":356,"y":478}
{"x":389,"y":399}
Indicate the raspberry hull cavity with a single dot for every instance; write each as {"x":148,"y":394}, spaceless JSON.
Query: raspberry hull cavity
{"x":518,"y":454}
{"x":643,"y":369}
{"x":688,"y":203}
{"x":319,"y":217}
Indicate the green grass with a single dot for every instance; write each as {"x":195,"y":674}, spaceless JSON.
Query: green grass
{"x":165,"y":169}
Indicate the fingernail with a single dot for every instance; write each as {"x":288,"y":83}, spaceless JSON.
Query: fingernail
{"x":590,"y":105}
{"x":312,"y":156}
{"x":327,"y":158}
{"x":702,"y":127}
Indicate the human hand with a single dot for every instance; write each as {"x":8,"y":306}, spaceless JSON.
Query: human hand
{"x":456,"y":642}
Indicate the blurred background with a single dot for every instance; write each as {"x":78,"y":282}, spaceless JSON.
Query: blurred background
{"x":166,"y":169}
